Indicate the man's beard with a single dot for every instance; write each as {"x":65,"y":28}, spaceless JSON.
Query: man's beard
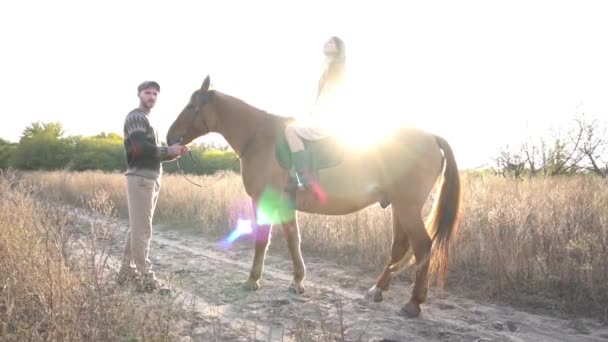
{"x":148,"y":105}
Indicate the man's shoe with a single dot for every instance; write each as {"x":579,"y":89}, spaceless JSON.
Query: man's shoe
{"x":126,"y":274}
{"x":149,"y":283}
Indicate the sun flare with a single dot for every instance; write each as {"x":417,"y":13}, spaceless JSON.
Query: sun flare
{"x":362,"y":128}
{"x":363,"y":135}
{"x":360,"y":124}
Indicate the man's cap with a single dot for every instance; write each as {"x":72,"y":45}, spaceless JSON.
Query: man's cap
{"x":148,"y":84}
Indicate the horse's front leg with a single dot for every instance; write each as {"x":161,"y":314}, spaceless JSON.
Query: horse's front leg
{"x":262,"y":240}
{"x":292,"y":239}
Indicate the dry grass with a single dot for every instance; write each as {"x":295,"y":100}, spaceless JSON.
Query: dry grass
{"x":544,"y":238}
{"x":49,"y":293}
{"x":536,"y":242}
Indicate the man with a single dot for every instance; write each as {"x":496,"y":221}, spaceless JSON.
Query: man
{"x":144,"y":157}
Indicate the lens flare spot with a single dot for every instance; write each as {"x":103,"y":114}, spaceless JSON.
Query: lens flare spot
{"x":243,"y":227}
{"x":274,"y":208}
{"x":319,"y":192}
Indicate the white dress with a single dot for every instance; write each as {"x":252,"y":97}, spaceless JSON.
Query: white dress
{"x":320,"y":122}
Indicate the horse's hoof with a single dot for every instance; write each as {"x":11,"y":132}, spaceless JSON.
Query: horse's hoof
{"x":250,"y":285}
{"x":374,"y":294}
{"x":296,"y":288}
{"x":410,"y":310}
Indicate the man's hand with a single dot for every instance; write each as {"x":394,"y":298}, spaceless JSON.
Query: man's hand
{"x":177,"y":150}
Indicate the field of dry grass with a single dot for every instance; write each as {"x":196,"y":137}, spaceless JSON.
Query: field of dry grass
{"x":540,"y":243}
{"x":53,"y":290}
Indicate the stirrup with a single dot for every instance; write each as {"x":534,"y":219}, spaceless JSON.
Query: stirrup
{"x":292,"y":184}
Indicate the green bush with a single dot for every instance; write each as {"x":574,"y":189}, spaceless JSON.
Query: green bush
{"x":101,"y":152}
{"x":209,"y":162}
{"x":8,"y":151}
{"x":43,"y":147}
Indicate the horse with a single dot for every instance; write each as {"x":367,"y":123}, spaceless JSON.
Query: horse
{"x":403,"y":171}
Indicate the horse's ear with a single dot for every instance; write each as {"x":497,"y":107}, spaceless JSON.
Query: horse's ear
{"x":206,"y":84}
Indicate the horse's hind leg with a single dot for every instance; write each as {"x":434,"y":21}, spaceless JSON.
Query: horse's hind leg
{"x":411,"y":220}
{"x":262,"y":240}
{"x":399,"y":249}
{"x":292,"y":239}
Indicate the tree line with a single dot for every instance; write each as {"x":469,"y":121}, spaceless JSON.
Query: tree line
{"x":44,"y":146}
{"x":580,"y":148}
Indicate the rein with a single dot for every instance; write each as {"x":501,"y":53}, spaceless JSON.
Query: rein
{"x":222,"y":173}
{"x":181,"y":171}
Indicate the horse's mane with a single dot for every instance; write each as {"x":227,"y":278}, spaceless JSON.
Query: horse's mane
{"x":277,"y":121}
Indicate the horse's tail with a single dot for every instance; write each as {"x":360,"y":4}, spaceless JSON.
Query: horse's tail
{"x":443,"y":221}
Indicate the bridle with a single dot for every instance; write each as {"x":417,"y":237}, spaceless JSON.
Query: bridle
{"x":202,"y":100}
{"x":181,"y":171}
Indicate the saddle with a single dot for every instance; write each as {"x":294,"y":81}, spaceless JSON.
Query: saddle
{"x":325,"y":153}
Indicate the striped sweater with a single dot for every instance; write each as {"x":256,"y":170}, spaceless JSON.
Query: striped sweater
{"x":142,"y":146}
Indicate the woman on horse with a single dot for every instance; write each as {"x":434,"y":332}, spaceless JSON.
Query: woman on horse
{"x":317,"y":128}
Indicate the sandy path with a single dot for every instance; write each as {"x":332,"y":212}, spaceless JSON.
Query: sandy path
{"x":201,"y":270}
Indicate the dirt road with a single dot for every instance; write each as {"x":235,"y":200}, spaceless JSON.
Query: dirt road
{"x":208,"y":277}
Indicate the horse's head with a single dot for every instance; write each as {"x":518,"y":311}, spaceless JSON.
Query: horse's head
{"x":196,"y":119}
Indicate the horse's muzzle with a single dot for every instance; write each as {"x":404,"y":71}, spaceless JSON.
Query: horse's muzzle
{"x":173,"y":140}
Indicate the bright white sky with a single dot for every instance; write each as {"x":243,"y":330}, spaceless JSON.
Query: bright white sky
{"x":476,"y":72}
